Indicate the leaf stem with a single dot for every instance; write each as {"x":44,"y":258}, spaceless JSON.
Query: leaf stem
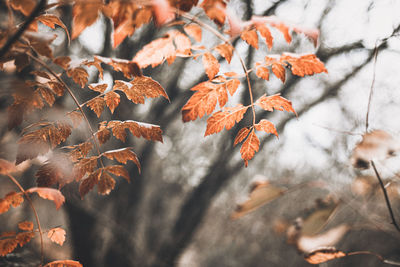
{"x":34,"y":212}
{"x":40,"y":62}
{"x":389,"y":206}
{"x":223,"y":38}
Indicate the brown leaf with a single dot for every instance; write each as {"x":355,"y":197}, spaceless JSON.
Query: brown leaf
{"x":31,"y":145}
{"x":25,"y":226}
{"x":139,"y":129}
{"x":7,"y":245}
{"x":79,"y":75}
{"x":215,"y":10}
{"x":260,"y":194}
{"x":24,"y":237}
{"x":97,"y":105}
{"x":106,"y":184}
{"x":76,"y":118}
{"x":211,"y":65}
{"x":85,"y":13}
{"x":47,"y":95}
{"x":128,"y":68}
{"x":225,"y":50}
{"x":112,"y":100}
{"x":98,"y":87}
{"x":25,"y":6}
{"x":155,"y":53}
{"x":118,"y":170}
{"x":15,"y":199}
{"x":63,"y":62}
{"x":57,"y":235}
{"x":241,"y":135}
{"x":6,"y":167}
{"x":83,"y":166}
{"x":277,"y":102}
{"x":266,"y":126}
{"x":304,"y":64}
{"x":322,"y":255}
{"x":52,"y":20}
{"x":64,"y":263}
{"x":316,"y":220}
{"x":88,"y":184}
{"x":249,"y":147}
{"x":122,"y":155}
{"x":40,"y":42}
{"x":194,"y":31}
{"x":251,"y":37}
{"x":57,"y":88}
{"x":50,"y":194}
{"x":225,"y":118}
{"x":103,"y":134}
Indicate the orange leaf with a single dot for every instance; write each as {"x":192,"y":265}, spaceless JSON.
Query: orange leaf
{"x":51,"y":21}
{"x":25,"y":226}
{"x":211,"y":65}
{"x":57,"y":88}
{"x":249,"y":147}
{"x":266,"y":126}
{"x":85,"y":165}
{"x":98,"y":87}
{"x":79,"y":75}
{"x":89,"y":182}
{"x":112,"y":100}
{"x":47,"y":95}
{"x":265,"y":32}
{"x":155,"y":53}
{"x":25,"y":6}
{"x":139,"y":129}
{"x":103,"y":134}
{"x":322,"y":255}
{"x":277,"y":102}
{"x":6,"y":167}
{"x":262,"y":72}
{"x":97,"y":105}
{"x":7,"y":245}
{"x":15,"y":199}
{"x":304,"y":64}
{"x":279,"y":71}
{"x":63,"y":62}
{"x":128,"y":68}
{"x":64,"y":263}
{"x":163,"y":12}
{"x":215,"y":10}
{"x":241,"y":135}
{"x":24,"y":237}
{"x":118,"y":170}
{"x":106,"y":184}
{"x":57,"y":235}
{"x":194,"y":31}
{"x":50,"y":194}
{"x":225,"y":118}
{"x":122,"y":155}
{"x":85,"y":13}
{"x":251,"y":37}
{"x":284,"y":30}
{"x":225,"y":50}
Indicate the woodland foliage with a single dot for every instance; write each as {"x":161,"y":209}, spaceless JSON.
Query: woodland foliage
{"x":23,"y":44}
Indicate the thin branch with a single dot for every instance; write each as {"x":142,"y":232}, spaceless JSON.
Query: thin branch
{"x":389,"y":206}
{"x":371,"y":89}
{"x":22,"y":29}
{"x":34,"y":212}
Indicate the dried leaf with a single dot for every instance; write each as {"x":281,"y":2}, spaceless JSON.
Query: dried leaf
{"x":112,"y":100}
{"x":25,"y":6}
{"x":14,"y":199}
{"x":128,"y":68}
{"x":251,"y":37}
{"x":24,"y":237}
{"x":83,"y":166}
{"x":139,"y":129}
{"x":225,"y":118}
{"x":57,"y":88}
{"x":97,"y":105}
{"x":40,"y":42}
{"x":103,"y":134}
{"x":57,"y":235}
{"x":64,"y":263}
{"x":215,"y":10}
{"x":47,"y":95}
{"x":50,"y":194}
{"x":265,"y":32}
{"x":79,"y":75}
{"x":106,"y":184}
{"x":266,"y":126}
{"x":63,"y":62}
{"x":322,"y":255}
{"x":98,"y":87}
{"x":279,"y":71}
{"x":303,"y":64}
{"x":25,"y":226}
{"x":118,"y":170}
{"x":7,"y":245}
{"x":85,"y":13}
{"x":52,"y":20}
{"x":225,"y":50}
{"x":211,"y":65}
{"x":123,"y":155}
{"x":277,"y":102}
{"x":155,"y":53}
{"x":260,"y":194}
{"x":262,"y":72}
{"x":194,"y":31}
{"x":89,"y":182}
{"x":6,"y":167}
{"x":249,"y":147}
{"x":241,"y":135}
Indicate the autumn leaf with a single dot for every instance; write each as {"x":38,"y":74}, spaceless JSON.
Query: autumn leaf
{"x":225,"y":50}
{"x":57,"y":235}
{"x":139,"y":129}
{"x":14,"y":199}
{"x":322,"y":255}
{"x":83,"y":166}
{"x":250,"y":36}
{"x":52,"y":20}
{"x":88,"y":183}
{"x":194,"y":31}
{"x":98,"y":87}
{"x":130,"y":69}
{"x":266,"y":126}
{"x":63,"y":62}
{"x":76,"y":118}
{"x":123,"y":155}
{"x":106,"y":184}
{"x":79,"y":75}
{"x":249,"y":147}
{"x":241,"y":135}
{"x":103,"y":134}
{"x":6,"y":167}
{"x":47,"y":94}
{"x":40,"y":42}
{"x":156,"y":52}
{"x":118,"y":170}
{"x":211,"y":65}
{"x":262,"y":72}
{"x":84,"y":13}
{"x":266,"y":33}
{"x":97,"y":105}
{"x":112,"y":100}
{"x":56,"y":169}
{"x":303,"y":64}
{"x":64,"y":263}
{"x":25,"y":6}
{"x":50,"y":194}
{"x":163,"y":12}
{"x":7,"y":245}
{"x":25,"y":226}
{"x":279,"y":71}
{"x":277,"y":102}
{"x":225,"y":118}
{"x":24,"y":237}
{"x":215,"y":10}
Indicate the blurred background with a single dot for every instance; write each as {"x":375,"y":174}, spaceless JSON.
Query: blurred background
{"x":178,"y":211}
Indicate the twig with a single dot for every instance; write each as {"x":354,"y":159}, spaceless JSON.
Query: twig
{"x":389,"y":206}
{"x":366,"y":252}
{"x":372,"y":89}
{"x":335,"y":130}
{"x":23,"y":27}
{"x":34,"y":212}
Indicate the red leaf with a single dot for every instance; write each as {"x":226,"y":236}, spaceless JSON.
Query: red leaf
{"x":277,"y":102}
{"x":225,"y":118}
{"x":210,"y":64}
{"x":50,"y":194}
{"x":249,"y":147}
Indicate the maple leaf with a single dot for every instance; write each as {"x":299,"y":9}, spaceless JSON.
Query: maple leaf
{"x":225,"y":50}
{"x":57,"y":235}
{"x":266,"y":126}
{"x":88,"y":183}
{"x":106,"y":184}
{"x":25,"y":6}
{"x":304,"y":64}
{"x":84,"y":13}
{"x":122,"y":155}
{"x":119,"y":170}
{"x":241,"y":135}
{"x":249,"y":147}
{"x":25,"y":226}
{"x":64,"y":263}
{"x":225,"y":118}
{"x":155,"y":53}
{"x":49,"y":193}
{"x":250,"y":36}
{"x":277,"y":102}
{"x":194,"y":31}
{"x":211,"y":65}
{"x":97,"y":105}
{"x":112,"y":100}
{"x":51,"y":21}
{"x":79,"y":75}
